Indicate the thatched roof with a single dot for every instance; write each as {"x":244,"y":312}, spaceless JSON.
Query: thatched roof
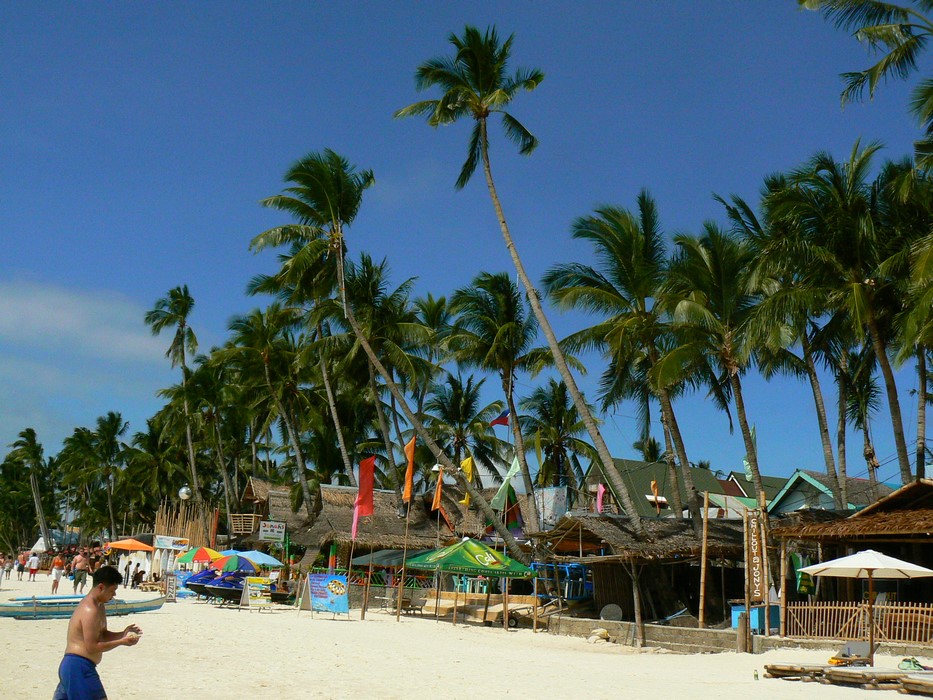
{"x":385,"y":529}
{"x":469,"y":521}
{"x":905,"y":513}
{"x":257,"y":490}
{"x":611,"y":537}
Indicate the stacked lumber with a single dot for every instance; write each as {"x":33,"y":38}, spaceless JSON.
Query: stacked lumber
{"x":866,"y":677}
{"x":917,"y":684}
{"x":795,"y":672}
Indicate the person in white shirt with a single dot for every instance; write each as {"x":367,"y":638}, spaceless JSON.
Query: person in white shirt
{"x":33,"y":565}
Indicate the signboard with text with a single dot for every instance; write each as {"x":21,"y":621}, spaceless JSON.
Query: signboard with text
{"x":325,"y":593}
{"x":754,"y":567}
{"x":166,"y":542}
{"x":271,"y":531}
{"x":256,"y":593}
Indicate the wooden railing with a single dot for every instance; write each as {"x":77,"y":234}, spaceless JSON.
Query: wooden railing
{"x":244,"y":523}
{"x":894,"y":622}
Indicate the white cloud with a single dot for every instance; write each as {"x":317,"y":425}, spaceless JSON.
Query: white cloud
{"x":101,"y":325}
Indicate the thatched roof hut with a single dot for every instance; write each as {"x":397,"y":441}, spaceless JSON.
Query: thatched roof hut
{"x":590,"y":537}
{"x":906,"y":515}
{"x":385,"y":529}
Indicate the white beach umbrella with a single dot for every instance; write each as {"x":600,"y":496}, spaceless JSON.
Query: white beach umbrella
{"x":868,"y":564}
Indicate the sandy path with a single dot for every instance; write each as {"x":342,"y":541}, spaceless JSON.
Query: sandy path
{"x":189,"y":646}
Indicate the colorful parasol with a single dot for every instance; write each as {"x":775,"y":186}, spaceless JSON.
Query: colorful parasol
{"x":130,"y":545}
{"x":198,"y":554}
{"x":234,"y":562}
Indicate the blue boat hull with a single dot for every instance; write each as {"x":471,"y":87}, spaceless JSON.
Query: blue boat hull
{"x":51,"y":608}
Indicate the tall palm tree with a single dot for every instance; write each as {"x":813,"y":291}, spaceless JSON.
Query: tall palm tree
{"x":263,"y":336}
{"x":712,"y":296}
{"x":634,"y":334}
{"x":109,"y":452}
{"x":326,"y":197}
{"x":172,"y":311}
{"x":28,"y":450}
{"x":900,"y":33}
{"x":548,"y":414}
{"x":461,"y":424}
{"x":494,"y":332}
{"x":476,"y":84}
{"x":855,"y":257}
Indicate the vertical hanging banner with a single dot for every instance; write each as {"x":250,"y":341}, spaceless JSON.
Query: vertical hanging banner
{"x":754,"y":567}
{"x":171,"y":588}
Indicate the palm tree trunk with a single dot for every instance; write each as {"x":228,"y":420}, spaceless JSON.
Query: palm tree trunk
{"x":897,"y":423}
{"x":669,"y":458}
{"x":822,"y":422}
{"x":454,"y":470}
{"x":520,"y":453}
{"x":192,"y":465}
{"x":610,"y":472}
{"x":293,"y":439}
{"x":693,"y":498}
{"x":750,"y":450}
{"x":113,"y":520}
{"x":841,"y":434}
{"x":868,"y":450}
{"x":332,"y":404}
{"x":921,"y":412}
{"x":222,"y":463}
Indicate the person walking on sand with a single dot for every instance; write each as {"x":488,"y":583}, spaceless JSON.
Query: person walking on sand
{"x":79,"y":566}
{"x":20,"y":566}
{"x":58,"y":568}
{"x":33,"y":565}
{"x":88,"y":638}
{"x":8,"y":567}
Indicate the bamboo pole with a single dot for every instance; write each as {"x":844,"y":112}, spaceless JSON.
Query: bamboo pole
{"x":505,"y":604}
{"x":369,"y":581}
{"x":534,"y":620}
{"x":401,"y":581}
{"x":455,"y":601}
{"x":783,"y":627}
{"x":703,"y":562}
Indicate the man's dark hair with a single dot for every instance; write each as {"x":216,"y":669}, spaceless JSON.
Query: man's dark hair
{"x":107,"y":575}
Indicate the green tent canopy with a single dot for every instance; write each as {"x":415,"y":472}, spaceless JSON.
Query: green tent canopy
{"x":472,"y":558}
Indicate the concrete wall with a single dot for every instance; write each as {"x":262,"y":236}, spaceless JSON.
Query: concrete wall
{"x":690,"y":640}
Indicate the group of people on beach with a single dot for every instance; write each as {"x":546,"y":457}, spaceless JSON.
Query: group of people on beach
{"x":76,"y":564}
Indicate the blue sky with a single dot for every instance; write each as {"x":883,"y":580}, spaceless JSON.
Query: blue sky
{"x":136,"y":140}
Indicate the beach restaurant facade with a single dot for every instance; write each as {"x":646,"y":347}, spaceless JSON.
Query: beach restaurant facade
{"x":899,"y":525}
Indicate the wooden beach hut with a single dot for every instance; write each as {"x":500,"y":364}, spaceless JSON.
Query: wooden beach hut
{"x":899,"y":525}
{"x":655,"y":576}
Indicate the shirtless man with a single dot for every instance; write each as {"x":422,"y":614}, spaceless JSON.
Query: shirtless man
{"x":79,"y":567}
{"x":88,"y":639}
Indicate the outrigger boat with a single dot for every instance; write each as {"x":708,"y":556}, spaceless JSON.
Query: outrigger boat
{"x":59,"y":606}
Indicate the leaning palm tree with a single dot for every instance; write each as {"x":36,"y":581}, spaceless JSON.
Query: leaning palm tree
{"x":476,"y":84}
{"x":494,"y":332}
{"x":900,"y":33}
{"x":325,"y":198}
{"x":172,"y":311}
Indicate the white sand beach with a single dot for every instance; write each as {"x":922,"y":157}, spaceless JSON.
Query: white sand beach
{"x":193,"y":646}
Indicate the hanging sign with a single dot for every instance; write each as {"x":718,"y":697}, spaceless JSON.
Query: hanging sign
{"x":754,"y":567}
{"x":257,"y":593}
{"x":167,"y":542}
{"x":271,"y":531}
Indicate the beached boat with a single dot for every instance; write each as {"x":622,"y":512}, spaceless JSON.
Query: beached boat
{"x":52,"y":607}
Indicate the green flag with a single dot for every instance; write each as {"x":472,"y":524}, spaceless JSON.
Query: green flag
{"x":501,"y":498}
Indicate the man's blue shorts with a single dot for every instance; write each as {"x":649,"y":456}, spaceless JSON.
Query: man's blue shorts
{"x":78,"y":680}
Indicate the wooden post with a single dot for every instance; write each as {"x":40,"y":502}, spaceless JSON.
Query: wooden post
{"x":455,"y":601}
{"x":401,"y":582}
{"x":741,"y":637}
{"x":783,"y":628}
{"x":437,"y":594}
{"x":534,"y":620}
{"x":369,"y":581}
{"x":505,"y":603}
{"x":703,"y":563}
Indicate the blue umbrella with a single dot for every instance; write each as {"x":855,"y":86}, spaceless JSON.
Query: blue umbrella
{"x":262,"y":559}
{"x":228,"y":552}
